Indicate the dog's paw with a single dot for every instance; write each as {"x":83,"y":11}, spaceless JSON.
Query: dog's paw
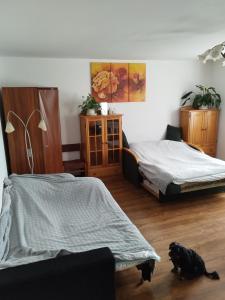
{"x":174,"y":270}
{"x":182,"y":275}
{"x":181,"y":278}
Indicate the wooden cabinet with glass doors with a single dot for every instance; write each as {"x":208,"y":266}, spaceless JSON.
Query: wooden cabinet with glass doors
{"x":101,"y":144}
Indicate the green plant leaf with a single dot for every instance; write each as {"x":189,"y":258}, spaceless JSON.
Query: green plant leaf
{"x":218,"y":96}
{"x":212,"y":88}
{"x":217,"y":103}
{"x":89,"y":103}
{"x":208,"y":97}
{"x":185,"y":101}
{"x":201,"y":87}
{"x":186,"y":95}
{"x":197,"y":101}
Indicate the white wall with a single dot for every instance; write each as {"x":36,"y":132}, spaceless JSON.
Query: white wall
{"x":218,"y":77}
{"x":166,"y":81}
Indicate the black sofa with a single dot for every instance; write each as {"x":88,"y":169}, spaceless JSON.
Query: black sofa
{"x":81,"y":276}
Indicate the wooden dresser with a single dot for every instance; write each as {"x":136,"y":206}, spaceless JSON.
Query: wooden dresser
{"x":200,"y":127}
{"x":27,"y":102}
{"x":101,"y":144}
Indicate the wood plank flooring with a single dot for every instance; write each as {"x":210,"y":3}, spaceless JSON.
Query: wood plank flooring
{"x":197,"y":222}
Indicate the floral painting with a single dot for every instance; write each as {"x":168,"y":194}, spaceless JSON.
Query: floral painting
{"x":118,"y":82}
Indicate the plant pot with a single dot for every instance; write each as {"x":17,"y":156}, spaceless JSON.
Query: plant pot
{"x":91,"y":112}
{"x":204,"y":107}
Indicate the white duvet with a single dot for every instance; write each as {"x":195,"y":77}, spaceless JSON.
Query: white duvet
{"x":164,"y":162}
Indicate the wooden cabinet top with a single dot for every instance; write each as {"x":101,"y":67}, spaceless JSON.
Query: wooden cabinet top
{"x":189,"y":108}
{"x":101,"y":116}
{"x":29,"y":87}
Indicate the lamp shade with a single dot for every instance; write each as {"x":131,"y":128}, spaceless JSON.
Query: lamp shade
{"x":42,"y":125}
{"x":9,"y":127}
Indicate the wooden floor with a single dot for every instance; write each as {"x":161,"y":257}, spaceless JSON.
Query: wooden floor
{"x":197,"y":222}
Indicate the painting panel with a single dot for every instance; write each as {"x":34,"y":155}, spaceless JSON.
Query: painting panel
{"x":137,"y":82}
{"x":119,"y":82}
{"x":101,"y":81}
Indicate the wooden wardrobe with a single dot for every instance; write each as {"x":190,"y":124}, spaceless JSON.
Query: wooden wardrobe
{"x":101,"y":141}
{"x":200,"y":127}
{"x":46,"y":145}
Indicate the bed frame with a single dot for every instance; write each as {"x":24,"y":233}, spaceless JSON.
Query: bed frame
{"x":87,"y":275}
{"x":131,"y":173}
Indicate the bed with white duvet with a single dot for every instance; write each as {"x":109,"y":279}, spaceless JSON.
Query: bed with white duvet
{"x":44,"y":214}
{"x":165,"y":162}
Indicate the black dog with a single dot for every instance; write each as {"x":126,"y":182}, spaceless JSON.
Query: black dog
{"x":191,"y":265}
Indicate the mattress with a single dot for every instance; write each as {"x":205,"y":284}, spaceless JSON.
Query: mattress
{"x":45,"y":214}
{"x":196,"y":186}
{"x":164,"y":162}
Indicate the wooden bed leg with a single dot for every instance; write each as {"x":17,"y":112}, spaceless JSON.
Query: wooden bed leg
{"x":147,"y":269}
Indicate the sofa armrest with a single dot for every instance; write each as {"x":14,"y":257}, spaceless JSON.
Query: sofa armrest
{"x":132,"y":154}
{"x":130,"y":167}
{"x":81,"y":276}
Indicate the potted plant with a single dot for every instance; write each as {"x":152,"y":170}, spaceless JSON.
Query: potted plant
{"x":207,"y":98}
{"x":90,"y":106}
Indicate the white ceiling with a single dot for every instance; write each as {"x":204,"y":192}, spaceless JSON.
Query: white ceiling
{"x":120,"y":29}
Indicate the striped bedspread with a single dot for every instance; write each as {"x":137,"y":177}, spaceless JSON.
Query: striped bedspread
{"x":44,"y":214}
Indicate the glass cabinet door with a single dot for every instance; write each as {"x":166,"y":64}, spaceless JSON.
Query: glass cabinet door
{"x":113,"y":141}
{"x":95,"y":142}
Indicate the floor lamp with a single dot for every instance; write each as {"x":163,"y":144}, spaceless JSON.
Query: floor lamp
{"x":10,"y":128}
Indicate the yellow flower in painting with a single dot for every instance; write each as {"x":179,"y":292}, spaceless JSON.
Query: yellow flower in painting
{"x":105,"y":83}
